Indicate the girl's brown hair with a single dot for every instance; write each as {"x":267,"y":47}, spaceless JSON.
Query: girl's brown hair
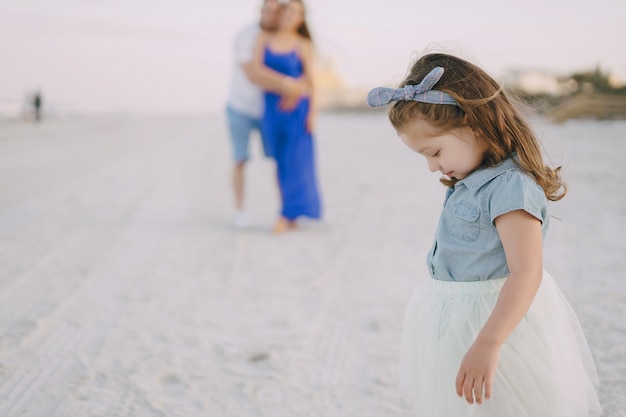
{"x":484,"y":107}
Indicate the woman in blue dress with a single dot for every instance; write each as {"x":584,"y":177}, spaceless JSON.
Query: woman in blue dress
{"x":287,"y":124}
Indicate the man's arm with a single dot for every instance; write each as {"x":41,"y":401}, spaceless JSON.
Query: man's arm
{"x":270,"y":80}
{"x":267,"y":78}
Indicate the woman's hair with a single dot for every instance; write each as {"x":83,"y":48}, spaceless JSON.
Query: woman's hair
{"x":485,"y":108}
{"x":303,"y":29}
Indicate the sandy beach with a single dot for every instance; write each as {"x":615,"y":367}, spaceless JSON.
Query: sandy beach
{"x":125,"y":291}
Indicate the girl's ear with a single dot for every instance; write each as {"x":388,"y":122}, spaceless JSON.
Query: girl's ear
{"x":467,"y":122}
{"x":472,"y":125}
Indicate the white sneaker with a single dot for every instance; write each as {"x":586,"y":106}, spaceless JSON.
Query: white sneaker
{"x":240,"y":220}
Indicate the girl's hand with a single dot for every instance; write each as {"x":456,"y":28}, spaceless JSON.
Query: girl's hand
{"x":477,"y":372}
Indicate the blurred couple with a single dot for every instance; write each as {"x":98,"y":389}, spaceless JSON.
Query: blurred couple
{"x":272,"y":92}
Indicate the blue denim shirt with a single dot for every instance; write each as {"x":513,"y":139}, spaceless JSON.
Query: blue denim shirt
{"x":467,"y":246}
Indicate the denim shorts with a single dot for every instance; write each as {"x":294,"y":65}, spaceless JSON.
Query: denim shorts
{"x":241,"y":127}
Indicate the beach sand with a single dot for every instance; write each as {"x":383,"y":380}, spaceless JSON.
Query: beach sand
{"x":125,"y":291}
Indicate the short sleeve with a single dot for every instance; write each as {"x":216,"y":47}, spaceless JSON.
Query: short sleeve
{"x":244,"y":45}
{"x":515,"y":190}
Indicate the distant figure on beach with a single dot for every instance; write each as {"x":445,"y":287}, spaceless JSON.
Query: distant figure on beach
{"x":288,"y":126}
{"x":37,"y":104}
{"x":244,"y":107}
{"x":490,"y":329}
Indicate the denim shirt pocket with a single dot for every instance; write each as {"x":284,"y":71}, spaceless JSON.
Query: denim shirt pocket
{"x":465,"y":224}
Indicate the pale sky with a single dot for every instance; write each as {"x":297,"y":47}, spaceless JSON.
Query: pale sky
{"x":175,"y":55}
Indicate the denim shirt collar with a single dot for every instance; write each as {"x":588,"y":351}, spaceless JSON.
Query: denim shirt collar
{"x":480,"y":177}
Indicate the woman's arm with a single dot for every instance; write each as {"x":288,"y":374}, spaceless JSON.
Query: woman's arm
{"x":521,"y":238}
{"x":308,"y":76}
{"x":267,"y":78}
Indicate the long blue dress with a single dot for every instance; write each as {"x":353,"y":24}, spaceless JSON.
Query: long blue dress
{"x":290,"y":144}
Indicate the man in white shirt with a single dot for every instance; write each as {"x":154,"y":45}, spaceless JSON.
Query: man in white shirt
{"x":244,"y":107}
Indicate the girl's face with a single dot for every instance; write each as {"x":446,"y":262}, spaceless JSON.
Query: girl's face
{"x":455,"y":153}
{"x":293,"y":15}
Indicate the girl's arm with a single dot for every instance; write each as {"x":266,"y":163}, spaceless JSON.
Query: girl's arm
{"x":267,"y":78}
{"x":521,"y":238}
{"x":308,"y":75}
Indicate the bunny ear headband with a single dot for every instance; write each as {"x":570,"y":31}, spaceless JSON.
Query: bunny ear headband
{"x":421,"y":92}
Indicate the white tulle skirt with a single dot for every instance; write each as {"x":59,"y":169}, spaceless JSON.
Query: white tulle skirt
{"x":545,"y":367}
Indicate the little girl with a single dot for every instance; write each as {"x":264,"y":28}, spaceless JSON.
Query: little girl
{"x":491,"y":326}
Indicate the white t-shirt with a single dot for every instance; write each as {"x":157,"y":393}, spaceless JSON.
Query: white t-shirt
{"x":244,"y":96}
